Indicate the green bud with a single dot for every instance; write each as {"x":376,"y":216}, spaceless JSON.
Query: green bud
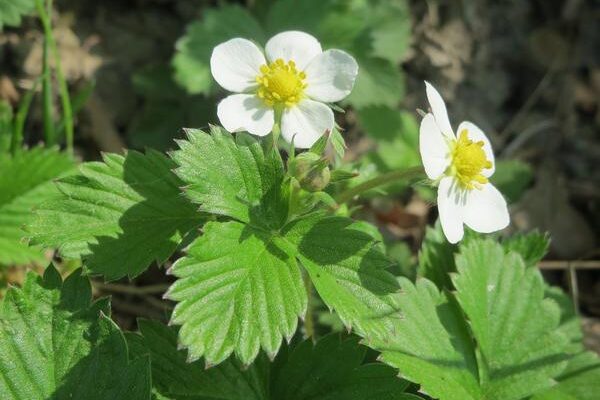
{"x":311,"y":171}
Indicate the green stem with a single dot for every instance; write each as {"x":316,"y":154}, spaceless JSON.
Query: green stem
{"x":48,"y":116}
{"x":17,"y":138}
{"x":380,"y":180}
{"x":45,"y":16}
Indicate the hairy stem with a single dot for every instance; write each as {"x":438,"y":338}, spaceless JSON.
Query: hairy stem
{"x":380,"y":180}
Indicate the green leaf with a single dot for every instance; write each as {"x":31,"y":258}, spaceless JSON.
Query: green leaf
{"x":240,"y":178}
{"x":347,"y":268}
{"x":174,"y":376}
{"x":11,"y":11}
{"x":579,"y":381}
{"x":430,"y":344}
{"x":532,"y":246}
{"x":238,"y":290}
{"x":512,"y":178}
{"x":390,"y":26}
{"x":378,"y":83}
{"x":25,"y":182}
{"x":119,"y":215}
{"x":331,"y":369}
{"x":514,"y":325}
{"x":436,"y":258}
{"x":193,"y":50}
{"x":56,"y":344}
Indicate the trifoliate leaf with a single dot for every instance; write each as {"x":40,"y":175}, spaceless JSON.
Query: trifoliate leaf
{"x":512,"y":178}
{"x":11,"y":11}
{"x":579,"y":381}
{"x":238,"y":290}
{"x":430,"y":344}
{"x":436,"y":258}
{"x":173,"y":376}
{"x":239,"y":178}
{"x":192,"y":59}
{"x":25,"y":182}
{"x":331,"y":369}
{"x":119,"y":215}
{"x":347,"y":268}
{"x":532,"y":246}
{"x":56,"y":344}
{"x":514,"y":325}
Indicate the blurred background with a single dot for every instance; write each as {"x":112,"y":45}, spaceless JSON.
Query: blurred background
{"x":527,"y":72}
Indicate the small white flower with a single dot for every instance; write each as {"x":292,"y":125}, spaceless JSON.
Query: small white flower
{"x":462,"y":165}
{"x":296,"y":78}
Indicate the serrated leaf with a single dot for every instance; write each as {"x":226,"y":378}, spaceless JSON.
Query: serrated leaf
{"x":390,"y":24}
{"x":430,"y":343}
{"x":193,"y":50}
{"x":532,"y":246}
{"x":579,"y":381}
{"x":240,"y":178}
{"x":347,"y":268}
{"x":55,"y":343}
{"x":238,"y":290}
{"x":515,"y":327}
{"x":436,"y":258}
{"x":11,"y":11}
{"x":119,"y":215}
{"x":331,"y":369}
{"x":175,"y":377}
{"x":25,"y":182}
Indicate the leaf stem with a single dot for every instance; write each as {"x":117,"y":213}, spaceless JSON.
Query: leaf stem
{"x":16,"y":142}
{"x":48,"y":116}
{"x":380,"y":180}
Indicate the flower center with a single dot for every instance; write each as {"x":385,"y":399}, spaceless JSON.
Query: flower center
{"x":281,"y":83}
{"x":468,"y":160}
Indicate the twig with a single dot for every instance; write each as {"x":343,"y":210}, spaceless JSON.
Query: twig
{"x":562,"y":265}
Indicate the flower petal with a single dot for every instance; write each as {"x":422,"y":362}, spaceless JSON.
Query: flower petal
{"x":246,"y":112}
{"x":293,"y":45}
{"x":330,"y":76}
{"x":486,"y":210}
{"x":433,"y":147}
{"x":305,"y":123}
{"x":438,"y":108}
{"x":476,"y":135}
{"x":235,"y":64}
{"x":451,"y":202}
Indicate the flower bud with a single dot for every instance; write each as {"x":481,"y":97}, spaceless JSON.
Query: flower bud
{"x":311,"y":171}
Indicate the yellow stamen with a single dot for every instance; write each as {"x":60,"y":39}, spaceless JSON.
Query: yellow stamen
{"x":468,"y":161}
{"x":280,"y":83}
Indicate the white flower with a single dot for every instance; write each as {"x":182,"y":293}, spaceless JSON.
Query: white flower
{"x":461,"y":164}
{"x":295,"y":79}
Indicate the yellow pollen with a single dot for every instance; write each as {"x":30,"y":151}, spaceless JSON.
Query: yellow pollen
{"x":280,"y":83}
{"x":468,"y":161}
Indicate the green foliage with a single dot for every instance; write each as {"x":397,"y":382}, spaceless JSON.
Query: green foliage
{"x":11,"y":11}
{"x":238,"y":290}
{"x":233,"y":177}
{"x":25,"y":182}
{"x":436,"y":258}
{"x":376,"y":32}
{"x":498,"y":337}
{"x":532,"y":246}
{"x":512,"y":178}
{"x":192,"y":60}
{"x":331,"y":369}
{"x":347,"y":269}
{"x":119,"y":215}
{"x":56,"y":344}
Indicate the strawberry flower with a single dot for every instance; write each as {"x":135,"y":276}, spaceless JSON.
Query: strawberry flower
{"x":292,"y":82}
{"x":462,"y":165}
